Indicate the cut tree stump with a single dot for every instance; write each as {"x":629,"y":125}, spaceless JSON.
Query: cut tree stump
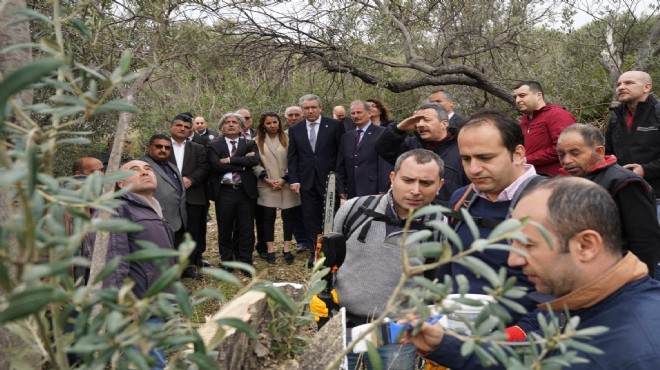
{"x":238,"y":352}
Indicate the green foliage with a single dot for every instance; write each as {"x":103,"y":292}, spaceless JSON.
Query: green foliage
{"x":49,"y":218}
{"x":557,"y":346}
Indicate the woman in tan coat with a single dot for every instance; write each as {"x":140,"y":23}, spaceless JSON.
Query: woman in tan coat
{"x":273,"y":189}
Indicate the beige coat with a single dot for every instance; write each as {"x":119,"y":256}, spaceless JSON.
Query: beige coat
{"x":274,"y":161}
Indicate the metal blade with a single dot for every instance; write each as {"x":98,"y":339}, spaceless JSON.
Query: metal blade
{"x":329,"y":207}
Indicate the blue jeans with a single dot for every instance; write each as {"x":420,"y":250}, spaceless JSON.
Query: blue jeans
{"x":157,"y":353}
{"x":393,"y":356}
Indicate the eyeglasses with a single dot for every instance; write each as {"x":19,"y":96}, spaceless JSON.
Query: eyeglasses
{"x":160,"y":146}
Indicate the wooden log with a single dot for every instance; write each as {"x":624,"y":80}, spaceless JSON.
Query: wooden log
{"x":327,"y":344}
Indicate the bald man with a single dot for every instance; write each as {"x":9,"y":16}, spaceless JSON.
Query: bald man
{"x":86,"y":166}
{"x":632,"y":133}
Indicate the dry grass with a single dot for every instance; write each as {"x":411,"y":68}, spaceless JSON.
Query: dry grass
{"x":280,"y":272}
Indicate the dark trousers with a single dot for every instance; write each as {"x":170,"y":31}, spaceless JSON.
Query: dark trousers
{"x":178,"y":237}
{"x":269,"y":223}
{"x":197,"y":230}
{"x":236,"y":208}
{"x":260,"y":246}
{"x":299,"y":227}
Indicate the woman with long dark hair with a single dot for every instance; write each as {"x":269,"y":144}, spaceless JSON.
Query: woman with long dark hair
{"x":274,"y":191}
{"x":379,"y":114}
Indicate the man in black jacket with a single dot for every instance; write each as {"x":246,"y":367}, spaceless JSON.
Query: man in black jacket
{"x":190,"y":159}
{"x":432,"y":132}
{"x":230,"y":161}
{"x":632,"y":132}
{"x":582,"y":153}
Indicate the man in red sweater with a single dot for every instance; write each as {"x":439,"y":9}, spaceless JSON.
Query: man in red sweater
{"x":541,"y":124}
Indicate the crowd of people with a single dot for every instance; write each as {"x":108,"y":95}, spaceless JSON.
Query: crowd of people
{"x":604,"y":226}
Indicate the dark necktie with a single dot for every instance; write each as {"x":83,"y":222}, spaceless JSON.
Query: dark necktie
{"x":235,"y":176}
{"x":358,"y":134}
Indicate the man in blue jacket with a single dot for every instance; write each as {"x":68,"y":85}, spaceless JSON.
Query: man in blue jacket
{"x":586,"y":270}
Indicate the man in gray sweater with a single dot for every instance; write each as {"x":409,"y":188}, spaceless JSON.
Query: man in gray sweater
{"x":373,"y":227}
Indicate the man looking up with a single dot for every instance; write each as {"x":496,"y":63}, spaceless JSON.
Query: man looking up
{"x":430,"y":123}
{"x":581,"y":150}
{"x":632,"y":133}
{"x":140,"y":206}
{"x":541,"y":125}
{"x":445,"y":99}
{"x":586,"y":269}
{"x":372,"y":267}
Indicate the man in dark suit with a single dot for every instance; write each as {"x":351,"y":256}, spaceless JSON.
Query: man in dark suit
{"x":312,"y":154}
{"x":231,"y":159}
{"x":190,"y":159}
{"x":248,"y":133}
{"x":360,"y":170}
{"x":445,"y":99}
{"x":202,"y":134}
{"x":170,"y":191}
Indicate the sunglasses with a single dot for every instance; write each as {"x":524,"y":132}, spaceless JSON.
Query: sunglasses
{"x":160,"y":146}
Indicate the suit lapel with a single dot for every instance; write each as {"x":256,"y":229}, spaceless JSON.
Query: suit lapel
{"x":161,"y":173}
{"x":366,"y":136}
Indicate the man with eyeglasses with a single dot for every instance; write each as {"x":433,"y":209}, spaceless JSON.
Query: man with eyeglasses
{"x":170,"y":191}
{"x":247,"y":132}
{"x":190,"y":159}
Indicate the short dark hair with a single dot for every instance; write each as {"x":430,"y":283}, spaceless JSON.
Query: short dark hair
{"x":182,"y":117}
{"x":158,"y":136}
{"x":421,"y":156}
{"x":576,"y":204}
{"x":77,"y":166}
{"x":440,"y":111}
{"x":509,"y":129}
{"x":590,"y":133}
{"x":534,"y":86}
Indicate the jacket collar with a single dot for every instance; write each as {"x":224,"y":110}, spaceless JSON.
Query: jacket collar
{"x":609,"y":160}
{"x":628,"y":269}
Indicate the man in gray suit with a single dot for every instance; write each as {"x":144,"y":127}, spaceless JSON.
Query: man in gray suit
{"x":170,"y":191}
